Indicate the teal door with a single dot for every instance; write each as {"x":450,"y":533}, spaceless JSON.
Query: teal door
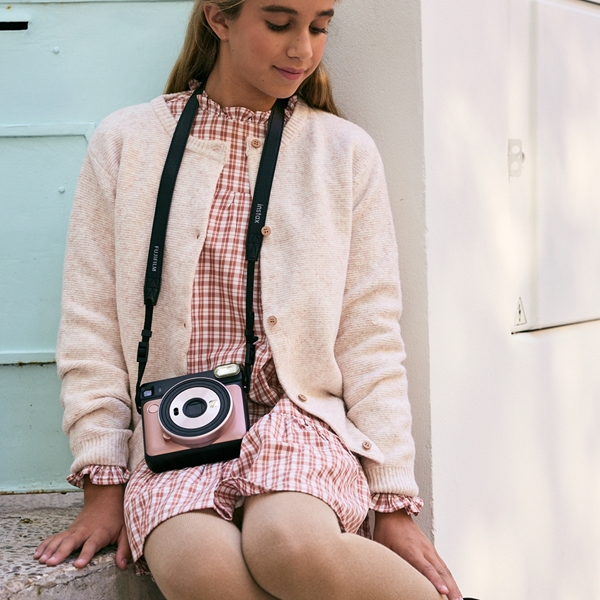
{"x":63,"y":67}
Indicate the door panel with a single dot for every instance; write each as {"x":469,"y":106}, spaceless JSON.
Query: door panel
{"x":567,"y":137}
{"x":34,"y":215}
{"x":63,"y":67}
{"x":555,"y":86}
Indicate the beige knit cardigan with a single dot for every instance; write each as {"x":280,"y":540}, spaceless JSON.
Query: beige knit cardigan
{"x":329,"y":276}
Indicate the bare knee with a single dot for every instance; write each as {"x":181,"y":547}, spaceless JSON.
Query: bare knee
{"x":283,"y":551}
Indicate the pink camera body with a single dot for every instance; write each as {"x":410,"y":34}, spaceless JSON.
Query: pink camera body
{"x":194,"y":419}
{"x":158,"y":442}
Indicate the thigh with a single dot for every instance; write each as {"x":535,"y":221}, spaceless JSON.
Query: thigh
{"x":295,"y":549}
{"x":197,"y":556}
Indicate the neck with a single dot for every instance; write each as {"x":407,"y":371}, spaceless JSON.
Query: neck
{"x":222,"y":88}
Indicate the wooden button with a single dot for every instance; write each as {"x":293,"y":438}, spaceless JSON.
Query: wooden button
{"x":266,"y":230}
{"x":302,"y":397}
{"x":272,"y":320}
{"x":366,"y":445}
{"x":256,"y":143}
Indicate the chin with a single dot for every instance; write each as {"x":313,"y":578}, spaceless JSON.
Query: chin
{"x":285,"y":91}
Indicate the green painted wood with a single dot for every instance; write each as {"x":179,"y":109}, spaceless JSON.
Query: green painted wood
{"x":75,"y":63}
{"x":36,"y":206}
{"x":34,"y":454}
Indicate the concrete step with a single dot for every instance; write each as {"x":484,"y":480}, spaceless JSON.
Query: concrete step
{"x":25,"y":520}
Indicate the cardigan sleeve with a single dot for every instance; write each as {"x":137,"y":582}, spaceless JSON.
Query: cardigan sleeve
{"x":369,"y":347}
{"x":95,"y":384}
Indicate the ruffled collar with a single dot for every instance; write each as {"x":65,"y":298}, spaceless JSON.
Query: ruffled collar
{"x":239,"y":113}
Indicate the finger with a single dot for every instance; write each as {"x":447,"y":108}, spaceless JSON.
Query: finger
{"x":56,"y":553}
{"x":42,"y":547}
{"x":52,"y":545}
{"x":123,"y":550}
{"x":446,"y":575}
{"x":89,"y":549}
{"x":427,"y":569}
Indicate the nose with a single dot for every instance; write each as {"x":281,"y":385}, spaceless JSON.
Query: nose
{"x":301,"y":47}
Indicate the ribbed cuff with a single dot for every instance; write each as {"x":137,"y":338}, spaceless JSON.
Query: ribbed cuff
{"x":390,"y":480}
{"x":100,"y":448}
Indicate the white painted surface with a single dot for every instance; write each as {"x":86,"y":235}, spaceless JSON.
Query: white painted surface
{"x":566,"y":103}
{"x":516,"y":455}
{"x":374,"y":57}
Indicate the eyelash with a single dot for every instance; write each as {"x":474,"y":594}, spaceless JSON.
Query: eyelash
{"x":314,"y":30}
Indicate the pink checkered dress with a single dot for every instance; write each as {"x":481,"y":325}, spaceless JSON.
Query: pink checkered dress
{"x":286,"y":448}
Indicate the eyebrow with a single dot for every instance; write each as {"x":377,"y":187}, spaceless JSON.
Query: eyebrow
{"x":276,"y":8}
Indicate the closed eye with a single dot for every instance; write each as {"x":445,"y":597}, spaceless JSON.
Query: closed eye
{"x":313,"y":30}
{"x":274,"y":27}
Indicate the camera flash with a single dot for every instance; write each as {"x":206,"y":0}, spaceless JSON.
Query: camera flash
{"x":226,"y":370}
{"x":148,"y":393}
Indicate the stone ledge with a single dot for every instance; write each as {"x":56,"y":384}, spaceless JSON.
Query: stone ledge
{"x":25,"y":520}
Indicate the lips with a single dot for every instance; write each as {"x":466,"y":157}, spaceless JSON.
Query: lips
{"x":291,"y":74}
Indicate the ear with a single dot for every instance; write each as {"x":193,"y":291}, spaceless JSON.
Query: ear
{"x":216,"y":21}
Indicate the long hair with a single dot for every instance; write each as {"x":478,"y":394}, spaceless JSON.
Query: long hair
{"x":200,"y":51}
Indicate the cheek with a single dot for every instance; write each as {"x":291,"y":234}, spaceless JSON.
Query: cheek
{"x":263,"y":49}
{"x":248,"y":47}
{"x":318,"y":48}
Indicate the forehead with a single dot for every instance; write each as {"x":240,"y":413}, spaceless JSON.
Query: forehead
{"x":304,"y":8}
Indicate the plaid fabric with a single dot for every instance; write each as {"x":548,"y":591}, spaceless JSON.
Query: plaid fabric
{"x":286,"y":449}
{"x":100,"y":475}
{"x":218,"y":299}
{"x":385,"y":503}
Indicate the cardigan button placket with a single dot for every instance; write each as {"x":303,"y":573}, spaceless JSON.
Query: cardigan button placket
{"x":366,"y":445}
{"x":302,"y":397}
{"x":272,"y":320}
{"x":256,"y":143}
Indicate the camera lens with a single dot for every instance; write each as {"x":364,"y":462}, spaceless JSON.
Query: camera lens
{"x":194,"y":411}
{"x":194,"y":407}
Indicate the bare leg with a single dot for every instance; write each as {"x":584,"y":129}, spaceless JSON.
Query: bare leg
{"x":198,"y":556}
{"x":294,"y":549}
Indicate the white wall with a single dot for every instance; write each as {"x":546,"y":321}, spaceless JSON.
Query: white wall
{"x":374,"y":57}
{"x":515,"y":418}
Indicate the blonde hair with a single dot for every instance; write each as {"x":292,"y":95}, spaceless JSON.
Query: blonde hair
{"x":201,"y":49}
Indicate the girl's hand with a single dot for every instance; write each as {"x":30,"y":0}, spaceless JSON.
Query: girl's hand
{"x":400,"y":533}
{"x":99,"y":523}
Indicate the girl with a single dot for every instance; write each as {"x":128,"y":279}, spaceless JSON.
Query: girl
{"x":330,"y":434}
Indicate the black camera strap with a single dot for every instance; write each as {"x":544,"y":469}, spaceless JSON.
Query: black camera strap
{"x":258,"y":213}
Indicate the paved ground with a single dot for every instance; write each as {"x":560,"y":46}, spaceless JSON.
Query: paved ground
{"x":25,"y":520}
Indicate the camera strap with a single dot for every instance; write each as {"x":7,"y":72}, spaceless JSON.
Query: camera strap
{"x":258,"y":213}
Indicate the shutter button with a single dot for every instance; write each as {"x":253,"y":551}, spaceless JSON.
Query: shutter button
{"x":256,"y":143}
{"x":366,"y":445}
{"x":272,"y":320}
{"x":302,"y":397}
{"x":266,"y":230}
